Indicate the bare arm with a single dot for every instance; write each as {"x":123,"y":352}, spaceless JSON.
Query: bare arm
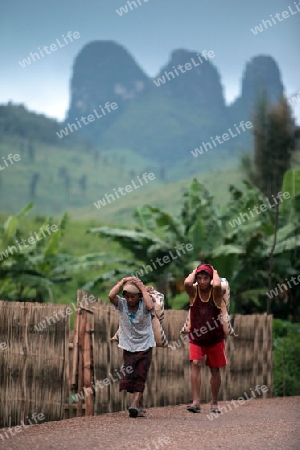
{"x":188,"y":285}
{"x":147,"y":299}
{"x":218,"y":292}
{"x":115,"y":290}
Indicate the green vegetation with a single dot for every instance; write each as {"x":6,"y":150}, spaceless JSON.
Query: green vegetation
{"x":59,"y":179}
{"x":237,"y":243}
{"x":240,"y":244}
{"x":55,"y":264}
{"x":286,"y":358}
{"x":15,"y":120}
{"x":93,"y":247}
{"x":176,"y":126}
{"x":274,"y":145}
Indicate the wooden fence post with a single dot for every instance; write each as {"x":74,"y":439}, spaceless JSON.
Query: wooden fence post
{"x":87,"y":372}
{"x":74,"y":379}
{"x":82,"y":325}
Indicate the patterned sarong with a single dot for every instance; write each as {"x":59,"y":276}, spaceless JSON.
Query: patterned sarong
{"x":140,"y":363}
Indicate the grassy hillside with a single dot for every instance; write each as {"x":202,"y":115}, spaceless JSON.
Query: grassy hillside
{"x":60,"y":173}
{"x":165,"y":129}
{"x":72,"y":179}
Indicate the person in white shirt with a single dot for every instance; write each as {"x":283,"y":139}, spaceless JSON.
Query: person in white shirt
{"x":136,"y":337}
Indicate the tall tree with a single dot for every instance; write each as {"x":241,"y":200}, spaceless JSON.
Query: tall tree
{"x":31,"y":151}
{"x":33,"y":184}
{"x":274,"y":144}
{"x":82,"y":184}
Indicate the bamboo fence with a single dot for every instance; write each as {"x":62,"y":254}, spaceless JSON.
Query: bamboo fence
{"x":45,"y":371}
{"x":32,"y":367}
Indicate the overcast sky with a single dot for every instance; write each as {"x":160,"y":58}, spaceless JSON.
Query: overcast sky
{"x":149,"y":32}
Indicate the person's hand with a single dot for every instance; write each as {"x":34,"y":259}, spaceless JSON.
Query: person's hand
{"x":125,"y":280}
{"x":139,"y":284}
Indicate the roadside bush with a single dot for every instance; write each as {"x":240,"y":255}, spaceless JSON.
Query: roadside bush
{"x":286,"y":358}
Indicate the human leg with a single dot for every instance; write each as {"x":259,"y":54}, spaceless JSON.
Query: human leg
{"x":215,"y":384}
{"x":134,"y":409}
{"x":142,"y":403}
{"x":195,"y":383}
{"x":136,"y":399}
{"x":141,"y":366}
{"x":196,"y":356}
{"x":216,"y":358}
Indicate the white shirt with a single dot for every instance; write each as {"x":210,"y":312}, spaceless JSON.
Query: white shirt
{"x":136,"y":333}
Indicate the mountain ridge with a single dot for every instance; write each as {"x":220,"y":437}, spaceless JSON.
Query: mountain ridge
{"x":154,"y":119}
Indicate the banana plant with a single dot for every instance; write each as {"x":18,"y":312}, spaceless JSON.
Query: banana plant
{"x":236,"y":238}
{"x":158,"y":234}
{"x":245,"y":256}
{"x":30,"y":272}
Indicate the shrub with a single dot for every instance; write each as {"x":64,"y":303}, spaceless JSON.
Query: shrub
{"x":286,"y":358}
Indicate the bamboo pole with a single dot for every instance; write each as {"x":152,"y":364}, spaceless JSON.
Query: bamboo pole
{"x":87,"y":372}
{"x":74,"y":380}
{"x":92,"y":357}
{"x":66,"y":389}
{"x":82,"y":325}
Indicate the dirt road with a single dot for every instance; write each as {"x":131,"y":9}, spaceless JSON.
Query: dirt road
{"x":256,"y":424}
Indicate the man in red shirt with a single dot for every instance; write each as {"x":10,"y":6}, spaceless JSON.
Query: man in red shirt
{"x":206,"y":336}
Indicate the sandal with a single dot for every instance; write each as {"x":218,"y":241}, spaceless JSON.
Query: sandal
{"x":133,"y":411}
{"x":142,"y":413}
{"x":194,"y":408}
{"x":215,"y":409}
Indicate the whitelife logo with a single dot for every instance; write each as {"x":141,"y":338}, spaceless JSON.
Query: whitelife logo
{"x":283,"y":288}
{"x":65,"y":312}
{"x":263,"y":207}
{"x":129,"y":188}
{"x":3,"y":346}
{"x":124,"y":9}
{"x":294,"y":99}
{"x":259,"y":389}
{"x":267,"y":23}
{"x":188,"y":66}
{"x":31,"y":241}
{"x":16,"y":157}
{"x":225,"y":137}
{"x":181,"y":249}
{"x":100,"y":384}
{"x":53,"y":47}
{"x":19,"y":428}
{"x":90,"y":118}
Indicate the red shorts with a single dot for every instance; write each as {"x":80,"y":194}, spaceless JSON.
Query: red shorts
{"x":215,"y":354}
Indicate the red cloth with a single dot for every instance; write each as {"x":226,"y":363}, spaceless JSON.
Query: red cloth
{"x":206,"y":268}
{"x":215,"y":354}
